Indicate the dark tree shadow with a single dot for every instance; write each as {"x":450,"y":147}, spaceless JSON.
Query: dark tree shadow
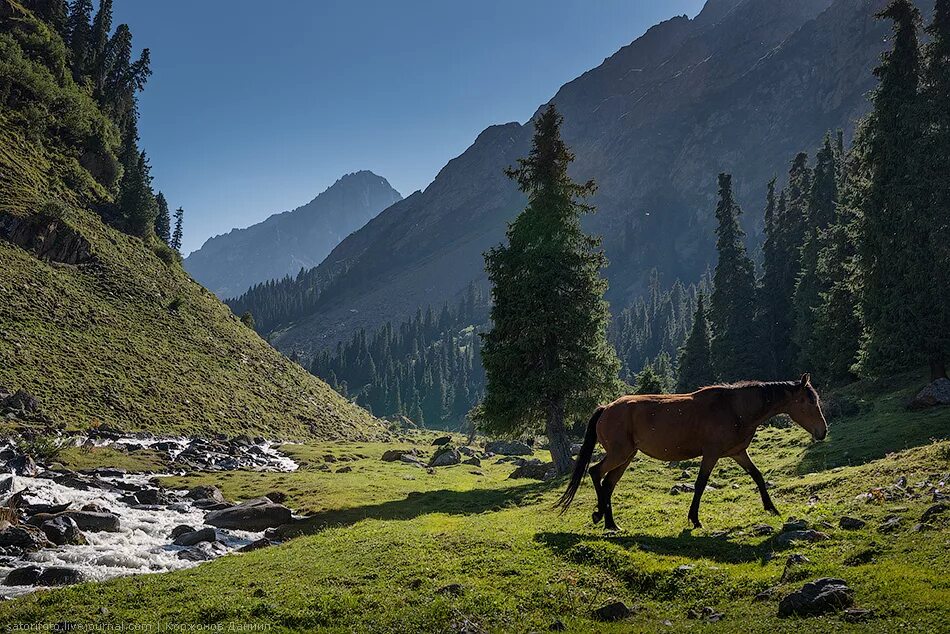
{"x":415,"y":504}
{"x":685,"y":544}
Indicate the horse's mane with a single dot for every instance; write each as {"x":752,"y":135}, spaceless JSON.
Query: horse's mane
{"x":771,"y":391}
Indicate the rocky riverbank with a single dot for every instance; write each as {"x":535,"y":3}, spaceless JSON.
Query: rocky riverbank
{"x":59,"y":527}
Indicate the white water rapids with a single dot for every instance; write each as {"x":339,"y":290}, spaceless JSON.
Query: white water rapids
{"x":143,"y":543}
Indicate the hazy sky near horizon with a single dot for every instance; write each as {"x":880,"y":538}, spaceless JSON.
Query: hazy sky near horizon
{"x":254,"y":108}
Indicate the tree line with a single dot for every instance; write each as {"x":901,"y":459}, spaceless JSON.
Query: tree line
{"x":90,"y":59}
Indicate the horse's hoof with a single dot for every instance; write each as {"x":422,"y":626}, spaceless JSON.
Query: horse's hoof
{"x":773,"y":511}
{"x":696,"y":523}
{"x":597,"y":516}
{"x":612,"y":529}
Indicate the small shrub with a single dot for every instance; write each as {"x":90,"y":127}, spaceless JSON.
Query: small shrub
{"x":166,"y":254}
{"x":54,"y":210}
{"x":42,"y":448}
{"x":177,"y":302}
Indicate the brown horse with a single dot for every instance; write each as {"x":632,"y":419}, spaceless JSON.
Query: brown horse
{"x":714,"y":422}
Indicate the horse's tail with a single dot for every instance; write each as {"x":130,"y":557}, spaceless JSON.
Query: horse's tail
{"x":583,"y":459}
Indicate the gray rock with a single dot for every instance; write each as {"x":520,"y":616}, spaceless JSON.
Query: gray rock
{"x":889,"y":525}
{"x":25,"y":576}
{"x":253,"y":515}
{"x":392,"y":455}
{"x":761,"y":530}
{"x":62,"y":530}
{"x":785,"y":539}
{"x":442,"y":440}
{"x":25,"y":537}
{"x":445,"y":457}
{"x":180,"y":530}
{"x":615,"y":611}
{"x":95,"y":521}
{"x":194,"y":554}
{"x":935,"y":394}
{"x":684,"y":487}
{"x":59,"y":576}
{"x":475,"y":462}
{"x":534,"y":471}
{"x":6,"y":484}
{"x":509,"y":448}
{"x":818,"y":597}
{"x":196,"y":537}
{"x":794,"y":524}
{"x":851,"y":523}
{"x":257,"y":544}
{"x":934,"y":511}
{"x":23,"y":465}
{"x":205,"y":492}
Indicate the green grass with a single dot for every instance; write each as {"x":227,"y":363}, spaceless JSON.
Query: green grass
{"x":80,"y":458}
{"x":100,"y":343}
{"x":385,"y":537}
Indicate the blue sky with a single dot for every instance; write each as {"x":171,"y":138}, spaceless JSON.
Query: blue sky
{"x":255,"y":107}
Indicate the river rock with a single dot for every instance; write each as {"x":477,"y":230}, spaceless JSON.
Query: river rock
{"x":257,"y":544}
{"x":508,"y":448}
{"x":23,"y":465}
{"x":95,"y":521}
{"x":817,"y":597}
{"x":25,"y":537}
{"x":442,"y":440}
{"x":25,"y":576}
{"x":253,"y":515}
{"x":62,"y":530}
{"x":59,"y":576}
{"x":205,"y":492}
{"x":180,"y":530}
{"x":6,"y":484}
{"x":196,"y":537}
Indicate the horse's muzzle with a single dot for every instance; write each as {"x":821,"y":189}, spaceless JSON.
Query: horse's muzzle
{"x":820,"y":435}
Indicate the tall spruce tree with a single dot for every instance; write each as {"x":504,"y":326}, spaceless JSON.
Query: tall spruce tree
{"x":837,"y":331}
{"x":821,"y":213}
{"x":54,"y":12}
{"x":932,"y":304}
{"x":178,"y":234}
{"x":547,"y":356}
{"x":99,"y":43}
{"x":163,"y":219}
{"x":695,"y":364}
{"x":774,"y":316}
{"x":79,"y":31}
{"x":734,"y":348}
{"x":136,"y":202}
{"x":893,"y":232}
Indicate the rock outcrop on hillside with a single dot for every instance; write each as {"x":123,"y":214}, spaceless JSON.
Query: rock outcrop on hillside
{"x":740,"y":88}
{"x":283,"y":244}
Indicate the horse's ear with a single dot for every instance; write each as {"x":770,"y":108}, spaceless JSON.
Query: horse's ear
{"x":806,"y":379}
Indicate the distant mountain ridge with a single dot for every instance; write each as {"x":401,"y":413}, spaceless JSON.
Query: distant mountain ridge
{"x":284,"y":243}
{"x":740,"y":88}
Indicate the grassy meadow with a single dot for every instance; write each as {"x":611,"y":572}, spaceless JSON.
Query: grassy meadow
{"x":386,"y":543}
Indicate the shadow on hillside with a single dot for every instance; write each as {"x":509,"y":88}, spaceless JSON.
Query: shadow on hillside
{"x":416,"y":504}
{"x":683,"y":545}
{"x":875,"y":422}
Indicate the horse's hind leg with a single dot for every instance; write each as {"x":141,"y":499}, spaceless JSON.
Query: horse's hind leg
{"x":608,"y":485}
{"x":598,"y":474}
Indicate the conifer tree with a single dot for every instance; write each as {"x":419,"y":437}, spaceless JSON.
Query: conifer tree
{"x":54,"y":12}
{"x":162,"y":219}
{"x":932,"y":305}
{"x":649,"y":381}
{"x":821,"y":213}
{"x":837,"y":331}
{"x":547,"y":356}
{"x":774,"y":316}
{"x":137,"y":206}
{"x":695,"y":364}
{"x":248,"y":320}
{"x":734,"y":347}
{"x":99,"y":43}
{"x":79,"y":30}
{"x":893,"y":229}
{"x":177,"y":235}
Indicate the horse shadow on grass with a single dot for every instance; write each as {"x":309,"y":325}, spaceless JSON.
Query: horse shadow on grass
{"x":720,"y":549}
{"x":416,"y":504}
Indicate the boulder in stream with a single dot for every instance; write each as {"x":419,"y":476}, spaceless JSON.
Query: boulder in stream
{"x":253,"y":515}
{"x":95,"y":521}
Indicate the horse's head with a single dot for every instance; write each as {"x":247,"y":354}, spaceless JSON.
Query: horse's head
{"x":804,"y":407}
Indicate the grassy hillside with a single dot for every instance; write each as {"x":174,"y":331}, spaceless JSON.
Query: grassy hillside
{"x":105,"y":328}
{"x":385,"y":539}
{"x":130,"y":341}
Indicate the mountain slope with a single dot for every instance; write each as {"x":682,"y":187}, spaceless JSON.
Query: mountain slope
{"x":105,"y":328}
{"x":229,"y":264}
{"x":740,"y":88}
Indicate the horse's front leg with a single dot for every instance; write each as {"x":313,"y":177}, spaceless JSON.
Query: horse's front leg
{"x":709,"y":462}
{"x":746,"y":463}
